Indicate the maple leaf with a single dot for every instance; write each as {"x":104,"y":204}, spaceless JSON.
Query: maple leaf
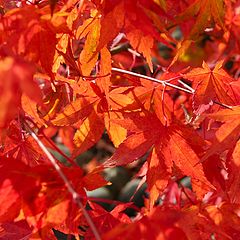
{"x":118,"y":16}
{"x":233,"y":179}
{"x":113,"y":18}
{"x":143,"y":44}
{"x":88,"y":133}
{"x":89,"y":55}
{"x":54,"y":99}
{"x":182,"y":47}
{"x":227,"y":135}
{"x":76,"y":98}
{"x":226,"y":218}
{"x":151,"y":96}
{"x":30,"y":108}
{"x":158,"y":174}
{"x":90,"y":94}
{"x":200,"y":224}
{"x":116,"y":133}
{"x":16,"y":78}
{"x":92,"y":113}
{"x":21,"y":147}
{"x":167,"y":222}
{"x":171,"y":143}
{"x":216,"y":166}
{"x":10,"y":200}
{"x":143,"y":38}
{"x":105,"y":71}
{"x":76,"y":110}
{"x":232,"y":21}
{"x":19,"y":229}
{"x":162,"y":223}
{"x":66,"y":134}
{"x":205,"y":10}
{"x":92,"y":117}
{"x":31,"y":33}
{"x":210,"y":85}
{"x":105,"y":220}
{"x":40,"y":193}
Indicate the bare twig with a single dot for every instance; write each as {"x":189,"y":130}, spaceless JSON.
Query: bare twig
{"x":76,"y":197}
{"x":186,"y":86}
{"x":164,"y":83}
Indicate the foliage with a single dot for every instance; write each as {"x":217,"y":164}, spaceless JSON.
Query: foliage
{"x":160,"y":78}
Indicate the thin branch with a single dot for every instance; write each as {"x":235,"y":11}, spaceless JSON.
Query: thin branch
{"x":120,"y":48}
{"x":76,"y":197}
{"x":186,"y":86}
{"x":166,"y":83}
{"x":222,"y":104}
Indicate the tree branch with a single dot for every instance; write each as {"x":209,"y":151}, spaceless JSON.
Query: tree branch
{"x":164,"y":83}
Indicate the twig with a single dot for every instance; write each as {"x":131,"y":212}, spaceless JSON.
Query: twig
{"x":76,"y":197}
{"x":222,"y":104}
{"x":186,"y":86}
{"x":151,"y":79}
{"x":120,"y":48}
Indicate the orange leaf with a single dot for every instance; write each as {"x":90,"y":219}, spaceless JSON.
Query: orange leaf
{"x":30,"y":108}
{"x":116,"y":133}
{"x":226,"y":115}
{"x":210,"y":85}
{"x":89,"y":132}
{"x":31,"y":33}
{"x":225,"y":217}
{"x":89,"y":55}
{"x":75,"y":111}
{"x":105,"y":69}
{"x":143,"y":43}
{"x":205,"y":10}
{"x":113,"y":20}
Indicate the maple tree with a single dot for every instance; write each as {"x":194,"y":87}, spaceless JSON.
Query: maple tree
{"x":160,"y":78}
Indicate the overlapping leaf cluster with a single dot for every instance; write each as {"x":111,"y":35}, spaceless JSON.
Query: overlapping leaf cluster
{"x":67,"y":73}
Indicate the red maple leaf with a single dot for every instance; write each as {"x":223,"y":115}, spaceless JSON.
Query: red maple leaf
{"x":172,"y":146}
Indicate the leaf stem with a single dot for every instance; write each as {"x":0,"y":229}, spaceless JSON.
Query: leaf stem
{"x":163,"y":82}
{"x":76,"y":197}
